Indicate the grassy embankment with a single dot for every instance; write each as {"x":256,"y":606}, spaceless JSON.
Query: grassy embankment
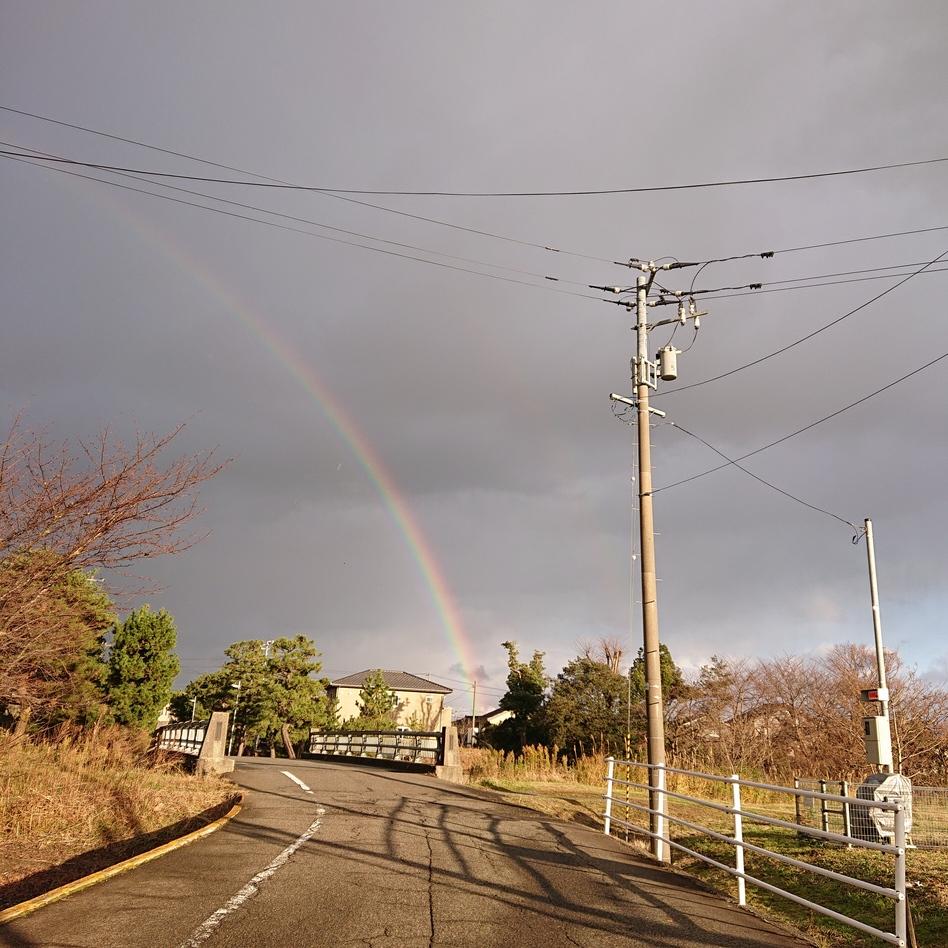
{"x":88,"y":799}
{"x":576,"y":794}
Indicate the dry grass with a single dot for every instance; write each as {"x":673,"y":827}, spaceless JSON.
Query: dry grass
{"x":535,"y":763}
{"x":80,"y":791}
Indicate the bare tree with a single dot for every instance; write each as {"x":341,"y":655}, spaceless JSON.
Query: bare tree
{"x":802,"y":716}
{"x":606,"y":651}
{"x":102,"y":505}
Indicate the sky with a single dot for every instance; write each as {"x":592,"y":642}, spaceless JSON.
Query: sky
{"x":424,"y":461}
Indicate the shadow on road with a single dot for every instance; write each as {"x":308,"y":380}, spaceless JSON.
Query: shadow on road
{"x":567,"y":873}
{"x":104,"y":856}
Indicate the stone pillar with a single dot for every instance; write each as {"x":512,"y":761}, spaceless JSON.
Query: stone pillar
{"x":450,"y":766}
{"x":213,"y":759}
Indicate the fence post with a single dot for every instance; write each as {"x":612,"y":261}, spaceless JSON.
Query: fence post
{"x":847,"y":815}
{"x":610,"y":772}
{"x":660,"y":849}
{"x":824,"y":813}
{"x":901,"y":927}
{"x":796,"y":805}
{"x":734,"y":780}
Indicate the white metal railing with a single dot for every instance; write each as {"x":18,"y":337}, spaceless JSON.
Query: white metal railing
{"x":185,"y":738}
{"x":738,"y":815}
{"x":416,"y":747}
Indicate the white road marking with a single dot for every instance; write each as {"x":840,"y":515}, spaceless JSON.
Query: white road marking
{"x":296,"y":780}
{"x":211,"y":923}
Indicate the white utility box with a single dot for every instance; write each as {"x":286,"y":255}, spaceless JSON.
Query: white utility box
{"x":875,"y":735}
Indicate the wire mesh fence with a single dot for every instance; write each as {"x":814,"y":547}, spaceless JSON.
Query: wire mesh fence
{"x":929,"y":812}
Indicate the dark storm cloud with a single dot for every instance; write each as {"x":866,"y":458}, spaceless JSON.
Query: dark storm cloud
{"x":485,"y":401}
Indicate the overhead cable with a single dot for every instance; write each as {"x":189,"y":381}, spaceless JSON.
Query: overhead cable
{"x":297,"y":230}
{"x":581,"y":192}
{"x":764,"y":481}
{"x":278,"y":181}
{"x":812,"y":424}
{"x":339,"y":230}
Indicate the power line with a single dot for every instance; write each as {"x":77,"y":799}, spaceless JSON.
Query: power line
{"x":277,"y":181}
{"x":843,"y":273}
{"x":585,"y":192}
{"x":757,"y":477}
{"x":34,"y":153}
{"x":297,"y":230}
{"x":449,"y":224}
{"x":810,"y":335}
{"x":800,"y":431}
{"x":859,"y":240}
{"x":772,"y":288}
{"x":765,"y":254}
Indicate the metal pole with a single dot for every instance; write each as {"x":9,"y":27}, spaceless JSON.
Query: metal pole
{"x":796,"y":805}
{"x":847,"y":813}
{"x":901,"y":926}
{"x":474,"y":715}
{"x":877,"y":621}
{"x":233,"y":723}
{"x":655,"y":725}
{"x":739,"y":836}
{"x":194,"y":708}
{"x":824,"y":813}
{"x":610,"y":771}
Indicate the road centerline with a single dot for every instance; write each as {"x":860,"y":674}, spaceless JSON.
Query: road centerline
{"x":247,"y":892}
{"x":296,"y":780}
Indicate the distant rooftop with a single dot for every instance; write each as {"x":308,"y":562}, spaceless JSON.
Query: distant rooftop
{"x":396,"y":680}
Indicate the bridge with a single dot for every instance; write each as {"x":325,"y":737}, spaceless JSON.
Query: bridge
{"x":332,"y":853}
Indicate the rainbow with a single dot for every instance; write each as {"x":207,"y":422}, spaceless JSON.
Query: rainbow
{"x":342,"y":422}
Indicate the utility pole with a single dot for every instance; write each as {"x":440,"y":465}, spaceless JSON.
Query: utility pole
{"x":646,"y":377}
{"x":883,"y":689}
{"x":474,"y":715}
{"x":655,"y":721}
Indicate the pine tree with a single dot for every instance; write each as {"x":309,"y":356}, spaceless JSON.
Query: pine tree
{"x":377,"y":703}
{"x":142,"y":667}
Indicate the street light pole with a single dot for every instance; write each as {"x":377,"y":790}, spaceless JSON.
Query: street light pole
{"x":877,"y":632}
{"x":233,"y":722}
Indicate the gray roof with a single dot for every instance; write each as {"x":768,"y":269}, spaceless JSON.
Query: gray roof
{"x":396,"y":680}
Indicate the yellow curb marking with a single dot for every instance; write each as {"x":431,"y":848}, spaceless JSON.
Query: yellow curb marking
{"x":54,"y":895}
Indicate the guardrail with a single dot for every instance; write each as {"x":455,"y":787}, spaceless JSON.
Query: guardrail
{"x":204,"y":741}
{"x":416,"y":747}
{"x":184,"y":738}
{"x":896,"y":893}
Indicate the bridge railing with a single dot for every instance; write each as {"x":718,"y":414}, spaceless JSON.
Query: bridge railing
{"x":414,"y":747}
{"x":730,"y":821}
{"x":202,"y":742}
{"x":186,"y":737}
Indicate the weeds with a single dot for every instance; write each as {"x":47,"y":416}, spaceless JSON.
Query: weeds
{"x":79,"y":790}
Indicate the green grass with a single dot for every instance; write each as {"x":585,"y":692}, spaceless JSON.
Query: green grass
{"x":927,"y":869}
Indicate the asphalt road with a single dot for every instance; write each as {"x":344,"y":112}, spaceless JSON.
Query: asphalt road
{"x":370,"y":857}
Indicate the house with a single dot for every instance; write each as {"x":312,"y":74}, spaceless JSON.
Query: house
{"x":491,"y":718}
{"x":420,"y":701}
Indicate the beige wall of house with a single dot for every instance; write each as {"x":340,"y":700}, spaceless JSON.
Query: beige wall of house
{"x":426,"y":706}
